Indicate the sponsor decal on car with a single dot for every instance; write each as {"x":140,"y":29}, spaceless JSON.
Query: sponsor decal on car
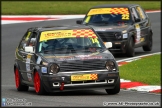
{"x":29,"y":76}
{"x":28,"y":62}
{"x":142,"y":39}
{"x":102,"y":29}
{"x":39,"y":60}
{"x":84,"y":77}
{"x":80,"y":58}
{"x":123,"y":11}
{"x":138,"y":33}
{"x":74,"y":57}
{"x":113,"y":11}
{"x":44,"y":69}
{"x":47,"y":35}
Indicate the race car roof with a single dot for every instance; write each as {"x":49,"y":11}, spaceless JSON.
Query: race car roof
{"x":114,"y":5}
{"x":61,"y":27}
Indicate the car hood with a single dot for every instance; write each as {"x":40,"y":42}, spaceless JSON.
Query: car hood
{"x":78,"y":56}
{"x":110,"y":28}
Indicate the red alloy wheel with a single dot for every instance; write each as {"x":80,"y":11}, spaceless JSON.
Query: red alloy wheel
{"x":37,"y":82}
{"x":17,"y":78}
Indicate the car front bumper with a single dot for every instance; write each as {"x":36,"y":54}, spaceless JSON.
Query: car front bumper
{"x":118,"y":46}
{"x":62,"y":81}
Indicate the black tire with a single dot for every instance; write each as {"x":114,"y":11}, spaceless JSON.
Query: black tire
{"x":130,"y":48}
{"x":39,"y":89}
{"x":115,"y":90}
{"x":148,"y":46}
{"x":18,"y":82}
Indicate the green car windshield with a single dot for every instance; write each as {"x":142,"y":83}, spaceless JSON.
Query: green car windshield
{"x":108,"y":16}
{"x":63,"y":40}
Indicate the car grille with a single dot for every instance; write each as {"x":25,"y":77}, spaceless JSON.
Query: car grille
{"x":107,"y":36}
{"x":82,"y":65}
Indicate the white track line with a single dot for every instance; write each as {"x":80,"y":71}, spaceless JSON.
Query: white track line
{"x":58,"y":17}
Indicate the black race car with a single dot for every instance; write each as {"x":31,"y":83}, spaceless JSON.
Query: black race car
{"x":63,"y":58}
{"x":127,"y":26}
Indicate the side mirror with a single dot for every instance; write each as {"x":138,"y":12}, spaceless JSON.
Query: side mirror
{"x":137,"y":20}
{"x":108,"y":44}
{"x":79,"y":22}
{"x":29,"y":49}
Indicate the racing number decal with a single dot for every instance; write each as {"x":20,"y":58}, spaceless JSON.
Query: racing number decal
{"x":125,"y":16}
{"x":94,"y":40}
{"x":138,"y":33}
{"x":28,"y":62}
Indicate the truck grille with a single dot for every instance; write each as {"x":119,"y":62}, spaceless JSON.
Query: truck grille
{"x":82,"y":65}
{"x":107,"y":36}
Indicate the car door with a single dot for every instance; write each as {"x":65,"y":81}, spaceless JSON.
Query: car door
{"x":138,"y":25}
{"x":21,"y":54}
{"x":144,"y":23}
{"x":29,"y":60}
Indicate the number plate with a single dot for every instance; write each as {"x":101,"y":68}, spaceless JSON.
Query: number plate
{"x":84,"y":77}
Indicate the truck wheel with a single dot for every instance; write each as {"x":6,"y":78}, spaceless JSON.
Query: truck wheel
{"x":18,"y":82}
{"x":148,"y":46}
{"x":130,"y":48}
{"x":116,"y":88}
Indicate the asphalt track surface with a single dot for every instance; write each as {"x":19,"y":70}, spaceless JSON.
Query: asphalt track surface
{"x":11,"y":35}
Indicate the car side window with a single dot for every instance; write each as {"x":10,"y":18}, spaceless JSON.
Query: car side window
{"x":32,"y":39}
{"x":134,"y":14}
{"x":141,"y":12}
{"x":24,"y":40}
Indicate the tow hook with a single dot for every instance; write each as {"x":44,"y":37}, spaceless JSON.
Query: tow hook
{"x":62,"y":86}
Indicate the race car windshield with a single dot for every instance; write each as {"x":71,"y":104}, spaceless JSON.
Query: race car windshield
{"x":108,"y":19}
{"x":108,"y":16}
{"x":73,"y":43}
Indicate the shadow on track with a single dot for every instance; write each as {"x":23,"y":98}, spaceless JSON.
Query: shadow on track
{"x":31,"y":91}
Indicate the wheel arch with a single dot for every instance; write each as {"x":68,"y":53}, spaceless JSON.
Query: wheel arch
{"x":37,"y":69}
{"x":132,"y":35}
{"x":16,"y":66}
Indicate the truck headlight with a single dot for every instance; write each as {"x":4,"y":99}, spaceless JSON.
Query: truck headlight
{"x":110,"y":66}
{"x":54,"y":68}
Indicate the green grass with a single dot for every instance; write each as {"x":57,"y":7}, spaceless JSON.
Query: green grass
{"x":62,"y":7}
{"x":146,"y":70}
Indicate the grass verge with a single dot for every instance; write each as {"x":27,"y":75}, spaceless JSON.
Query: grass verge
{"x":63,"y":7}
{"x":146,"y":70}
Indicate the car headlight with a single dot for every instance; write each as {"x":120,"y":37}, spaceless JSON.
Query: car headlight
{"x":110,"y":66}
{"x":54,"y":68}
{"x":118,"y":35}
